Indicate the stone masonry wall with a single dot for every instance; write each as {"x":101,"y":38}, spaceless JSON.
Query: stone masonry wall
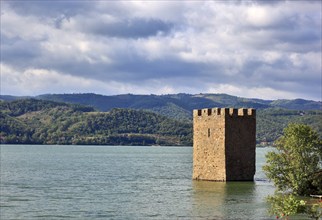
{"x":240,"y":145}
{"x":224,"y":144}
{"x":208,"y":141}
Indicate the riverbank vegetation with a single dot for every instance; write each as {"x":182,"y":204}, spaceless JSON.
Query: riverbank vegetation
{"x":296,"y":170}
{"x":35,"y":121}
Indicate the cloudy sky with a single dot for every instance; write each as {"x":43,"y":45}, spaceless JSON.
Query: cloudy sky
{"x":261,"y":49}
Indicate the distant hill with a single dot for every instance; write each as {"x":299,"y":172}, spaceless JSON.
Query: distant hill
{"x":34,"y":121}
{"x":178,"y":106}
{"x":12,"y":98}
{"x":297,"y":104}
{"x":272,"y":121}
{"x":174,"y":111}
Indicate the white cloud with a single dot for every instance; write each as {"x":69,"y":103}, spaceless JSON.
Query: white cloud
{"x":252,"y":92}
{"x":271,"y":57}
{"x":39,"y":81}
{"x":28,"y":28}
{"x":271,"y":48}
{"x":263,"y":16}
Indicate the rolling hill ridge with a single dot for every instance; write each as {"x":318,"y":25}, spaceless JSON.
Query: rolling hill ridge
{"x":137,"y":119}
{"x":31,"y":121}
{"x":178,"y":106}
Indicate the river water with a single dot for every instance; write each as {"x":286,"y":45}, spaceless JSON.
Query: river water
{"x":118,"y":182}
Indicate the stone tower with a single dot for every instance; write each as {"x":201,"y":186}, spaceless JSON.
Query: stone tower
{"x":224,"y":142}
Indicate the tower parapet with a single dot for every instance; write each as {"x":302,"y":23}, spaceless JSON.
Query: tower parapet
{"x":250,"y":112}
{"x":224,"y":144}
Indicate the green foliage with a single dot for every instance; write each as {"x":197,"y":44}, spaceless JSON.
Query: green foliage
{"x":43,"y":122}
{"x":283,"y":206}
{"x":271,"y":118}
{"x":272,"y":121}
{"x":297,"y":104}
{"x":47,"y":119}
{"x":314,"y":211}
{"x":180,"y":103}
{"x":296,"y":165}
{"x":13,"y":130}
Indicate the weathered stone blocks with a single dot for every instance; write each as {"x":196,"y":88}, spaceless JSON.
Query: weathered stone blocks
{"x":224,"y":143}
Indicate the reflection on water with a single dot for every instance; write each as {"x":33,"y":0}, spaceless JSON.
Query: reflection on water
{"x":91,"y":182}
{"x":209,"y":199}
{"x":226,"y":200}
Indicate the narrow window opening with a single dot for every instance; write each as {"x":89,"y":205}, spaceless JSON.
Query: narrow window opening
{"x":208,"y":132}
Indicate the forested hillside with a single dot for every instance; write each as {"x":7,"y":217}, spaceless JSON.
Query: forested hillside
{"x":178,"y":106}
{"x":272,"y":121}
{"x":154,"y":122}
{"x":45,"y":122}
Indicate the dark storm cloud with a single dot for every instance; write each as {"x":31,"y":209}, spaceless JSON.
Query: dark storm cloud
{"x":234,"y":47}
{"x":167,"y":68}
{"x":133,"y":71}
{"x":17,"y":51}
{"x":304,"y":36}
{"x":50,"y":8}
{"x":64,"y":10}
{"x":129,"y":28}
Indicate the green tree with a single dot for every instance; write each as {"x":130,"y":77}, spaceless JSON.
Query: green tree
{"x":285,"y":205}
{"x":296,"y":164}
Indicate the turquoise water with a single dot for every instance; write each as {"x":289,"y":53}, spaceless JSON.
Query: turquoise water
{"x":117,"y":182}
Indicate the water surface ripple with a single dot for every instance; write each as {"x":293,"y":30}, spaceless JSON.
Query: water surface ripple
{"x":117,"y":182}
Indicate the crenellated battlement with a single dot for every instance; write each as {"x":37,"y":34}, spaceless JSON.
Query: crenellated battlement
{"x":249,"y":112}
